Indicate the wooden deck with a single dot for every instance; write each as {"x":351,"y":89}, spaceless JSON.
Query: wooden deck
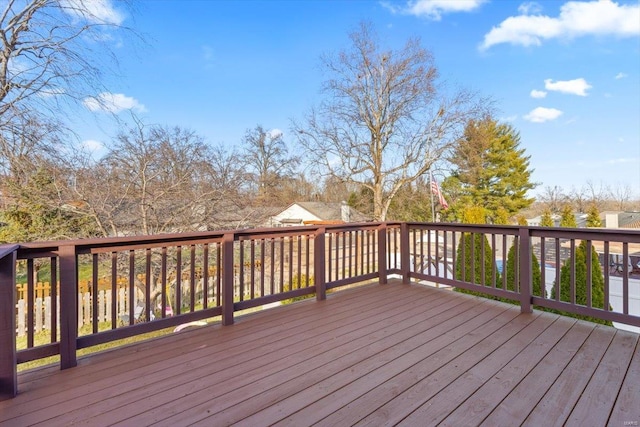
{"x":375,"y":355}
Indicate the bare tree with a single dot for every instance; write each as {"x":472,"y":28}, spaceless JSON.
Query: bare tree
{"x":269,"y":160}
{"x":553,"y":199}
{"x":156,"y":180}
{"x":621,"y":194}
{"x":51,"y":52}
{"x":386,"y":119}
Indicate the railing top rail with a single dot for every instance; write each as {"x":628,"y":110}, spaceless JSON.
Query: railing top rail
{"x":482,"y":228}
{"x":105,"y":244}
{"x":618,"y":234}
{"x":7,"y":249}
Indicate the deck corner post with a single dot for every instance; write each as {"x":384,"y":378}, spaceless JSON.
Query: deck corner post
{"x":525,"y":270}
{"x":382,"y":253}
{"x":319,"y":264}
{"x":227,"y":279}
{"x":405,"y":256}
{"x":8,"y":356}
{"x":68,"y":306}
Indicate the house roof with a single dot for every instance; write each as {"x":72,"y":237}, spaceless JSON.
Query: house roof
{"x":332,"y":211}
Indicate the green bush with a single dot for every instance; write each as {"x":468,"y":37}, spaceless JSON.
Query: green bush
{"x":475,"y":274}
{"x":510,"y":272}
{"x":597,"y":286}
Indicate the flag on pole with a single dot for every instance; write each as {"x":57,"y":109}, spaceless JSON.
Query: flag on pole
{"x":435,"y":189}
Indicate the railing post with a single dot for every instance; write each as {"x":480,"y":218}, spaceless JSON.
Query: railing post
{"x":319,"y":264}
{"x":8,"y":358}
{"x":405,"y":258}
{"x":68,"y":306}
{"x":525,"y":270}
{"x":227,"y":279}
{"x":382,"y":253}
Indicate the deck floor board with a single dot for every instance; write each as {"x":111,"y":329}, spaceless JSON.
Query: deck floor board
{"x":374,"y":355}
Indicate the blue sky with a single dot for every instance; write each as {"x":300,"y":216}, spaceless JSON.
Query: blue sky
{"x":565,"y":74}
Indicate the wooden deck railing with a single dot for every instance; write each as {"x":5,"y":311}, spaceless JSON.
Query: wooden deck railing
{"x":101,"y":290}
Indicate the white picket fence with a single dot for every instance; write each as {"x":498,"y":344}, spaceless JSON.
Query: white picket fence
{"x":43,"y":310}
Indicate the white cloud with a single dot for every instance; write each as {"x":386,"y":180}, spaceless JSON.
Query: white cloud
{"x":542,"y":114}
{"x":574,"y":87}
{"x":621,"y":76}
{"x":530,"y":7}
{"x":113,"y":103}
{"x":538,"y":94}
{"x":95,"y":11}
{"x":577,"y":18}
{"x":92,"y":145}
{"x":434,"y":9}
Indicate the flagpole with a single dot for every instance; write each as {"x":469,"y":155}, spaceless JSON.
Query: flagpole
{"x":433,"y":209}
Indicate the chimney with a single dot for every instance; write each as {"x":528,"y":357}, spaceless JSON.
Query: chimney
{"x":345,"y":212}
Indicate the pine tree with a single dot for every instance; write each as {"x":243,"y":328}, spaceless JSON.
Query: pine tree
{"x":491,"y":170}
{"x":567,"y":218}
{"x":593,"y":217}
{"x":547,"y":219}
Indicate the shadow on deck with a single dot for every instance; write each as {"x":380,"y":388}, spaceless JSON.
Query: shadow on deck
{"x":374,"y":355}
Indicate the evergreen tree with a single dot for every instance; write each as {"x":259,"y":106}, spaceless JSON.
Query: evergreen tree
{"x":510,"y":272}
{"x":597,"y":286}
{"x":593,"y":217}
{"x":547,"y":219}
{"x":472,"y":250}
{"x":567,"y":218}
{"x":471,"y":261}
{"x":490,"y":170}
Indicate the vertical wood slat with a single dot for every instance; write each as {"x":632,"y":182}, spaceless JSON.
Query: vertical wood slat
{"x":543,"y":266}
{"x":291,"y":263}
{"x":30,"y":302}
{"x":241,"y":267}
{"x":405,"y":258}
{"x":147,"y":286}
{"x":205,"y":276}
{"x":114,"y":290}
{"x":53,"y":262}
{"x":227,"y":279}
{"x":524,"y":240}
{"x":319,"y":263}
{"x":132,"y":286}
{"x":94,"y":293}
{"x":253,"y":268}
{"x":299,"y":272}
{"x":219,"y":274}
{"x":382,"y":253}
{"x":307,"y":260}
{"x":178,"y":307}
{"x":192,"y":279}
{"x":572,"y":275}
{"x":163,"y":281}
{"x":625,"y":278}
{"x":589,"y":278}
{"x":606,"y":275}
{"x":68,"y":306}
{"x":8,"y":358}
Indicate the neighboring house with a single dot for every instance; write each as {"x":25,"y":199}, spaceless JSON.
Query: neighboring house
{"x":581,"y":220}
{"x":306,"y":213}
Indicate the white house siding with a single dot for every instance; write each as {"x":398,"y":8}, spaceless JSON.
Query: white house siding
{"x":294,"y":212}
